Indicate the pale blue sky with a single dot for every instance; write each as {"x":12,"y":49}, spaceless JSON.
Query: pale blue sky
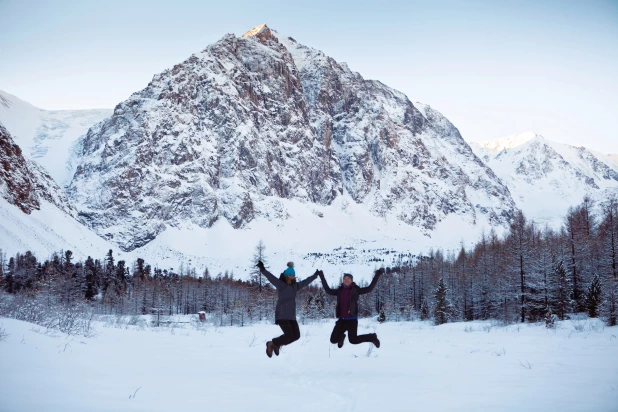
{"x":494,"y":68}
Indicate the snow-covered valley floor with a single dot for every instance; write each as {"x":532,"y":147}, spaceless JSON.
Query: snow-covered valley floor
{"x":474,"y":366}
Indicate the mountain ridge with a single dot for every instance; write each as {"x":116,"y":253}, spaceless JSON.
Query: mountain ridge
{"x":546,"y":177}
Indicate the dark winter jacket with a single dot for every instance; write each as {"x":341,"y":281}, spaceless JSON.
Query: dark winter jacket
{"x":345,"y":292}
{"x":286,"y":295}
{"x":356,"y":291}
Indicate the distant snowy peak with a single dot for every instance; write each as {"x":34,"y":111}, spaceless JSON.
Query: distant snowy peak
{"x":534,"y":156}
{"x":47,"y":136}
{"x":546,"y":177}
{"x":24,"y":183}
{"x":510,"y":142}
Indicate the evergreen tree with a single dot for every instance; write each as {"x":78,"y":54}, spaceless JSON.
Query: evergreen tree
{"x":608,"y":234}
{"x":562,"y":301}
{"x":483,"y":269}
{"x":2,"y":262}
{"x":519,"y":240}
{"x":424,"y":310}
{"x":442,"y":305}
{"x":573,"y":230}
{"x":108,"y":274}
{"x":90,"y":273}
{"x":593,"y":297}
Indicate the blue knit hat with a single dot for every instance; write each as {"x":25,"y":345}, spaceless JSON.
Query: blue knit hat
{"x":289,"y":272}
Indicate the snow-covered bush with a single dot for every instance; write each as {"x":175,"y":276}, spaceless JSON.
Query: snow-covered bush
{"x":70,"y":318}
{"x":3,"y":334}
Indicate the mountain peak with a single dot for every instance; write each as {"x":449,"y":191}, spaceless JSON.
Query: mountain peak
{"x":511,"y":141}
{"x":262,"y":28}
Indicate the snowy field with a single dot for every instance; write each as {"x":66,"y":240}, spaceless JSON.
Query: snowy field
{"x":474,"y":366}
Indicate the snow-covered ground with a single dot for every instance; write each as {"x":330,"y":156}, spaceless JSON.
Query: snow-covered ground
{"x":475,"y":366}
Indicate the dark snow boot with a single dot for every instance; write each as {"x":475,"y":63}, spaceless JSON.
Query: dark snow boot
{"x":376,"y":341}
{"x":341,"y":340}
{"x":276,"y":349}
{"x":270,"y":346}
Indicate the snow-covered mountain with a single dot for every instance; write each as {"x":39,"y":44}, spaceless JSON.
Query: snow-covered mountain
{"x":545,"y":177}
{"x":48,"y":136}
{"x":261,"y":133}
{"x":34,"y":212}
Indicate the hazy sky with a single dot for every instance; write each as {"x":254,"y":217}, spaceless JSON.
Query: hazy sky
{"x":494,"y":68}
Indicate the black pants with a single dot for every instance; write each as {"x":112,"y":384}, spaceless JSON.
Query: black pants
{"x":351,"y":326}
{"x":291,"y":332}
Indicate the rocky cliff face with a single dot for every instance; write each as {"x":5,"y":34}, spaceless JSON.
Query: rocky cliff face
{"x":251,"y":120}
{"x":23,"y":183}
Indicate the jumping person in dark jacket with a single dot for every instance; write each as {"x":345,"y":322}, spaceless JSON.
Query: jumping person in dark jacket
{"x":285,"y":312}
{"x":347,"y":309}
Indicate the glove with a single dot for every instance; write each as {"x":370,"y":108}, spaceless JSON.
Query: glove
{"x":379,"y":272}
{"x":319,"y":273}
{"x":260,"y":265}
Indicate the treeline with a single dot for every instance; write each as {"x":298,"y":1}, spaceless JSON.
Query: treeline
{"x":530,"y":273}
{"x":109,"y":287}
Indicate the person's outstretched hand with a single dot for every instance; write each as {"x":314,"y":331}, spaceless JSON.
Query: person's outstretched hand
{"x":260,"y":265}
{"x":320,"y":273}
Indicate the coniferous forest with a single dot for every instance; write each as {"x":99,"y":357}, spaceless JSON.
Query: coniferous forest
{"x":531,"y":273}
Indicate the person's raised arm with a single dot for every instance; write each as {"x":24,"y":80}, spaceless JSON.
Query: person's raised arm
{"x":373,"y":283}
{"x":307,"y":281}
{"x":327,"y":288}
{"x":277,"y":283}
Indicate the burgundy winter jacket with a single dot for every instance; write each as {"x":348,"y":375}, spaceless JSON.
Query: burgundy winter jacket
{"x":354,"y":293}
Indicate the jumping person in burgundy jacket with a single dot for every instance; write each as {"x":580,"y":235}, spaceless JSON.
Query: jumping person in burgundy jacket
{"x":347,"y":309}
{"x":285,"y":312}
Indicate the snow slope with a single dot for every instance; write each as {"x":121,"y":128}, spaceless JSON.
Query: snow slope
{"x":46,"y":231}
{"x":470,"y":366}
{"x":545,"y":178}
{"x":47,"y":136}
{"x":350,"y":236}
{"x":347,"y":237}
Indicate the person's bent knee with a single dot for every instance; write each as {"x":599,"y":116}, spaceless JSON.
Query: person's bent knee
{"x":354,"y":340}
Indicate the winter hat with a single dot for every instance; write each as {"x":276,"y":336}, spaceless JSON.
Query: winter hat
{"x":290,"y":270}
{"x":348,"y":275}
